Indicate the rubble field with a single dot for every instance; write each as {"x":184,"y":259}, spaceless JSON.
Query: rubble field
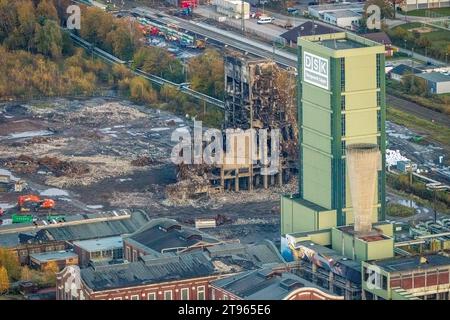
{"x":96,"y":154}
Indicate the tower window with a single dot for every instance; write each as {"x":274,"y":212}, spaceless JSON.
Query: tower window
{"x":342,"y":102}
{"x":342,"y":74}
{"x":379,"y":120}
{"x":378,"y":70}
{"x":343,"y":125}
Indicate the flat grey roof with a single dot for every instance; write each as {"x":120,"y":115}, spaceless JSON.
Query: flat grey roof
{"x":412,"y":262}
{"x":343,"y":14}
{"x":434,"y":77}
{"x":340,"y":44}
{"x":53,"y":255}
{"x":100,"y":244}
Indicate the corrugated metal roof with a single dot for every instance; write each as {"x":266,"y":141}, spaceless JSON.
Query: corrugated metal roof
{"x":263,"y":284}
{"x":95,"y":229}
{"x":160,"y":234}
{"x":184,"y":266}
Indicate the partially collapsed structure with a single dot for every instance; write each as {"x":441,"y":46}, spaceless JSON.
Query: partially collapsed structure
{"x":259,"y":94}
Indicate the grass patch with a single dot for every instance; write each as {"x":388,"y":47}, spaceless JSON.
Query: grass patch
{"x":398,"y":210}
{"x":439,"y":38}
{"x":439,"y":103}
{"x":434,"y":131}
{"x":429,"y":12}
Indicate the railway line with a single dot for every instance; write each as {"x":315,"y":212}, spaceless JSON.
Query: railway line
{"x":151,"y":77}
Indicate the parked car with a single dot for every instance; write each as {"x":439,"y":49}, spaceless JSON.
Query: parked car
{"x":255,"y":14}
{"x":292,"y":11}
{"x":265,"y":20}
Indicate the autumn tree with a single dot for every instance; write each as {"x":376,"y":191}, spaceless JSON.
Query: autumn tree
{"x":142,"y":91}
{"x":26,"y":274}
{"x":50,"y":270}
{"x":206,"y":73}
{"x":159,"y":62}
{"x":4,"y":280}
{"x":46,"y":10}
{"x":11,"y":263}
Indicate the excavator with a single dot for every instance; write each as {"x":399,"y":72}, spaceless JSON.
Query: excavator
{"x":30,"y":202}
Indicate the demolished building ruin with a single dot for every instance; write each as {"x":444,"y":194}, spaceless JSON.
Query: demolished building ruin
{"x":259,"y":94}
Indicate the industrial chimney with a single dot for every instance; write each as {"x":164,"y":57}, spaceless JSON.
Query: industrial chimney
{"x":362,"y":166}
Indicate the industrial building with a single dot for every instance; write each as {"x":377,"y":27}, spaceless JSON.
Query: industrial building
{"x":437,"y":82}
{"x":347,"y":19}
{"x":344,"y":15}
{"x":399,"y":71}
{"x":337,"y":220}
{"x":341,"y":101}
{"x":410,"y":5}
{"x":421,"y":277}
{"x":168,"y":276}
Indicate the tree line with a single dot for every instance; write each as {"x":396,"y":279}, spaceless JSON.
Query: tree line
{"x":39,"y":59}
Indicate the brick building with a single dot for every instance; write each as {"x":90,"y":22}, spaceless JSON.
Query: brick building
{"x":424,"y":277}
{"x":168,"y":276}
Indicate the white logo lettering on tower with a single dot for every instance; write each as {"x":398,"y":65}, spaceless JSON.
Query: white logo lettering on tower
{"x":315,"y":70}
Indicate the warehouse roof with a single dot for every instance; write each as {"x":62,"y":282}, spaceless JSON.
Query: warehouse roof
{"x":307,"y":29}
{"x":185,"y":266}
{"x":95,"y":230}
{"x":172,"y":267}
{"x":402,"y":69}
{"x":412,"y":262}
{"x":263,"y":284}
{"x":434,"y":77}
{"x":163,"y":234}
{"x":380,"y":37}
{"x":343,"y":14}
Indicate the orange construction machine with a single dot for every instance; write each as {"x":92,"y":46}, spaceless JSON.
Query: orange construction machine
{"x":28,"y":202}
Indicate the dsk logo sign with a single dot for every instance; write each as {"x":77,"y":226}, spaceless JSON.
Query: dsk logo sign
{"x":315,"y":70}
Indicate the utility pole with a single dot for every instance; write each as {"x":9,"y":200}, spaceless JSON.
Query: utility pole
{"x":243,"y":16}
{"x":434,"y":207}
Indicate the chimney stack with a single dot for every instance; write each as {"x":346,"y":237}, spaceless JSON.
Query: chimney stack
{"x":362,"y":166}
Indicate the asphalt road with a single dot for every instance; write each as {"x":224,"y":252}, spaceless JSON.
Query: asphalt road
{"x":418,"y":110}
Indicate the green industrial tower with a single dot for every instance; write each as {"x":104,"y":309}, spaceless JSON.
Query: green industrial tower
{"x":341,"y":101}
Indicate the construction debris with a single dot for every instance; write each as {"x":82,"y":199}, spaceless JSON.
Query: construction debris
{"x":25,"y":165}
{"x":258,"y":95}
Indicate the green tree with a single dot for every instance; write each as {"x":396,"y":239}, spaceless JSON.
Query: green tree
{"x":4,"y":280}
{"x":49,"y":40}
{"x":206,"y":73}
{"x":46,"y":10}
